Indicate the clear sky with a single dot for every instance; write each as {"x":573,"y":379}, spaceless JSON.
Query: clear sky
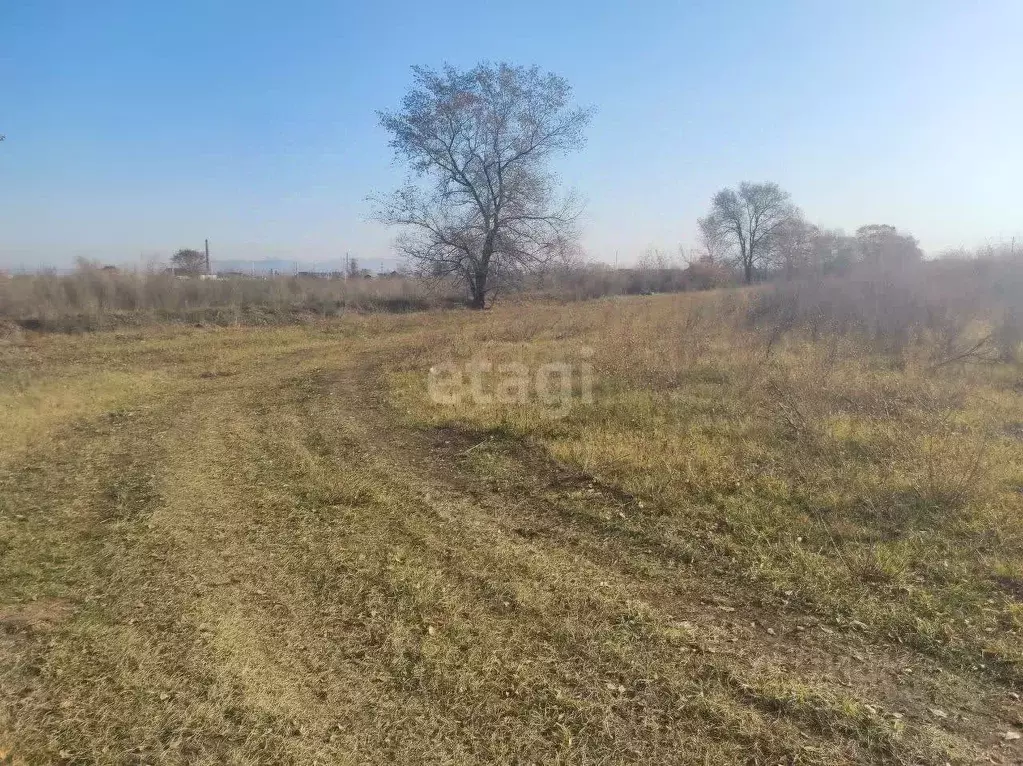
{"x":134,"y":128}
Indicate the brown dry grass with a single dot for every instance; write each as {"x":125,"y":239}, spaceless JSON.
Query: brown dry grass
{"x":268,"y":545}
{"x":93,"y":298}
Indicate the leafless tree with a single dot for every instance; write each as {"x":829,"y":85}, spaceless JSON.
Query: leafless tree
{"x":712,"y":249}
{"x":189,"y":262}
{"x":481,"y":205}
{"x":744,"y":222}
{"x":882,"y":246}
{"x":793,"y":247}
{"x":834,"y":252}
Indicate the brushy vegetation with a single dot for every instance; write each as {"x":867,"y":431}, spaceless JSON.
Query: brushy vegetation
{"x":952,"y":309}
{"x":97,"y":298}
{"x":835,"y":287}
{"x":94,"y":298}
{"x":787,"y":529}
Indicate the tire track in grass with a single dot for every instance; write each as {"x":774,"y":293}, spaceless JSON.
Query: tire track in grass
{"x":465,"y":508}
{"x":533,"y":493}
{"x":272,"y":571}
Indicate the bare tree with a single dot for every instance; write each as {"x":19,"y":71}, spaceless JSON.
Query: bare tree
{"x":190,"y":262}
{"x":882,"y":246}
{"x":713,"y":249}
{"x":482,"y":205}
{"x":792,"y":247}
{"x":833,"y":252}
{"x":744,"y":222}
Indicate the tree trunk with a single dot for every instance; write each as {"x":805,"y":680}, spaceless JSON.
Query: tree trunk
{"x":748,"y":269}
{"x":478,"y":290}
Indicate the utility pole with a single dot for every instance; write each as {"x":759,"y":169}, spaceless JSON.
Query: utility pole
{"x":208,"y":257}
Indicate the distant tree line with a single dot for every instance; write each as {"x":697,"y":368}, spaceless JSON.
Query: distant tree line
{"x":758,"y":231}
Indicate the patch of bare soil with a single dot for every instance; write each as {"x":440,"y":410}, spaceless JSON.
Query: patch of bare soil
{"x":33,"y":617}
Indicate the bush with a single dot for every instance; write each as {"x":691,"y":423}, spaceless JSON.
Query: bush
{"x":965,"y":308}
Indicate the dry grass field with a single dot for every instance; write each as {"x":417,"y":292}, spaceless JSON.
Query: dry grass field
{"x":94,"y":298}
{"x":759,"y":541}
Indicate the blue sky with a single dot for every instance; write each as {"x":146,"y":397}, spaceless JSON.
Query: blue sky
{"x":137,"y":128}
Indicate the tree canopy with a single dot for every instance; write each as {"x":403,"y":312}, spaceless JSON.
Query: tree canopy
{"x":744,"y":223}
{"x":188,"y":262}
